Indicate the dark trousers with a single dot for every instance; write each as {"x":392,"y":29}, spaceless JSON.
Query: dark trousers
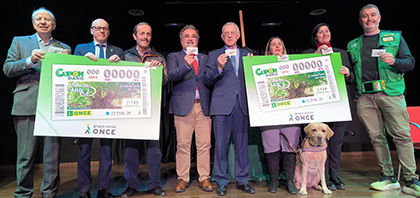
{"x":236,"y":124}
{"x":27,"y":147}
{"x":332,"y":165}
{"x":131,"y":158}
{"x":84,"y":176}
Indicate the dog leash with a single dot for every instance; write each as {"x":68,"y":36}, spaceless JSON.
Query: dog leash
{"x":287,"y":140}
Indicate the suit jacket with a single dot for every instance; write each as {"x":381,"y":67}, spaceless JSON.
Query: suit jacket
{"x":26,"y":92}
{"x":184,"y":83}
{"x":226,"y":86}
{"x":84,"y":48}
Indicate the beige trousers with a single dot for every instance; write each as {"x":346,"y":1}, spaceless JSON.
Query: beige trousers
{"x":194,"y":121}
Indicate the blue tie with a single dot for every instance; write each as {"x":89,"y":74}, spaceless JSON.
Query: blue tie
{"x":233,"y":61}
{"x":101,"y":51}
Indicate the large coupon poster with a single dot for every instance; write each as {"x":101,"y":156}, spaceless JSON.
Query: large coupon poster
{"x":301,"y":89}
{"x":82,"y":98}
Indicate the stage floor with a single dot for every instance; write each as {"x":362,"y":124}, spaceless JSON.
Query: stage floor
{"x":358,"y":170}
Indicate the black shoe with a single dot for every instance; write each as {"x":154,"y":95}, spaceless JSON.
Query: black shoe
{"x":291,"y":188}
{"x":158,"y":191}
{"x":129,"y":192}
{"x":222,"y":190}
{"x":105,"y":193}
{"x":246,"y":188}
{"x":84,"y":195}
{"x":274,"y":186}
{"x":338,"y":183}
{"x":330,"y":185}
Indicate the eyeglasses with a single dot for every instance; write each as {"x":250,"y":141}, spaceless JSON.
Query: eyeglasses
{"x":230,"y":33}
{"x":40,"y":19}
{"x":100,"y":28}
{"x":192,"y":36}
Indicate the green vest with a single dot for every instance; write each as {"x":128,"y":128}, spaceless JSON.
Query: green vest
{"x":394,"y":80}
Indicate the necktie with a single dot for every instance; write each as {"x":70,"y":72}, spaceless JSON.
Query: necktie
{"x":101,"y":51}
{"x":195,"y":65}
{"x":233,"y":61}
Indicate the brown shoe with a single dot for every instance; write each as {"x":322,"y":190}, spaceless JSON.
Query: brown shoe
{"x":206,"y":185}
{"x":181,"y":186}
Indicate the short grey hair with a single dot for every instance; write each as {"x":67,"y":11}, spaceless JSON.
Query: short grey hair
{"x":231,"y":23}
{"x":139,"y":24}
{"x":42,"y":9}
{"x":368,"y":6}
{"x":186,"y":28}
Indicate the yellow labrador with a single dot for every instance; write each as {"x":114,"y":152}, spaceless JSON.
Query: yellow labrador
{"x":310,"y":160}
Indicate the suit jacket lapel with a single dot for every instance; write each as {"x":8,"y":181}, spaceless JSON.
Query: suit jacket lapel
{"x":201,"y":63}
{"x":33,"y":42}
{"x":241,"y":60}
{"x":91,"y":47}
{"x":109,"y":50}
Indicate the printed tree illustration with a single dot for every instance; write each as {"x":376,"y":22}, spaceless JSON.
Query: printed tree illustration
{"x":299,"y":85}
{"x":108,"y":95}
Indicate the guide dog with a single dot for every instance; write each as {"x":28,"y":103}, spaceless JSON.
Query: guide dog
{"x":311,"y":157}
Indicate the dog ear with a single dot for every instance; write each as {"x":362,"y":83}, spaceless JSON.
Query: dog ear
{"x":330,"y":132}
{"x":308,"y":128}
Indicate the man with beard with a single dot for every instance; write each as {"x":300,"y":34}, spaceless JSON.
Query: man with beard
{"x":190,"y":105}
{"x":380,"y":59}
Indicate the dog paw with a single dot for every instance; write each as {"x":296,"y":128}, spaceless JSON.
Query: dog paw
{"x":327,"y":191}
{"x":303,"y":192}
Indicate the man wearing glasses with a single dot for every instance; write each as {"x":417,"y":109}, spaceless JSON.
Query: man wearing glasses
{"x":99,"y":48}
{"x":228,"y":108}
{"x":190,"y":105}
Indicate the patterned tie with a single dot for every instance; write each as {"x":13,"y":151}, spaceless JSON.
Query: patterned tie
{"x":195,"y":65}
{"x":101,"y":51}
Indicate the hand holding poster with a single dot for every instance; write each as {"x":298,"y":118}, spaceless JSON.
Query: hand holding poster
{"x":295,"y":91}
{"x":82,"y":98}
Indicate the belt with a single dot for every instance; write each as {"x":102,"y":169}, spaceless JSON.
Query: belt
{"x":373,"y":86}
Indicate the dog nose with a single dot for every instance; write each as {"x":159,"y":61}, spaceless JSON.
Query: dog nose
{"x":319,"y":137}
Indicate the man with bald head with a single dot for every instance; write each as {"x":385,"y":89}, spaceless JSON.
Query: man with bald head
{"x":99,"y":48}
{"x":23,"y":63}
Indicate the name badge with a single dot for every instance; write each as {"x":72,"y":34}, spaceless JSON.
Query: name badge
{"x":230,"y":52}
{"x":378,"y":52}
{"x":192,"y":50}
{"x":388,"y":38}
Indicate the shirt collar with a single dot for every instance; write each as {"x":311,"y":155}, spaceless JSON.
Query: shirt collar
{"x":236,"y":47}
{"x":145,"y":53}
{"x":96,"y":43}
{"x":42,"y":41}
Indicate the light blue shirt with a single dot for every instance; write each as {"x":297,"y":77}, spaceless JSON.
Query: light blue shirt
{"x":97,"y":49}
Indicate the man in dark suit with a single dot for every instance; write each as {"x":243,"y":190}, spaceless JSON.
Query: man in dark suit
{"x":99,"y":48}
{"x":190,"y":105}
{"x":23,"y":62}
{"x":228,"y":108}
